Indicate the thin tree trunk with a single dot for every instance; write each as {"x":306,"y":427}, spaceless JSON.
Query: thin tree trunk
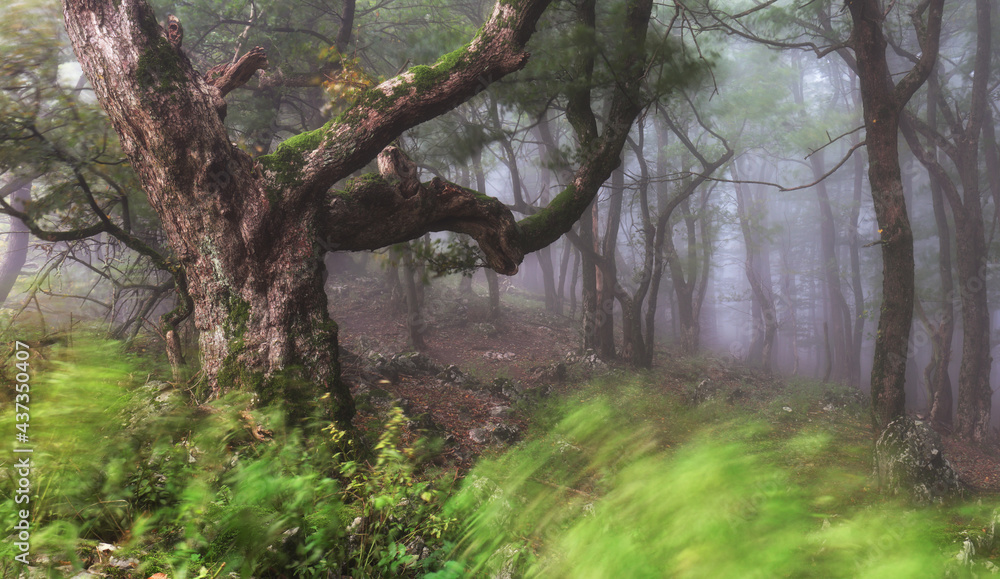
{"x":561,"y":286}
{"x":789,"y":290}
{"x":758,"y":271}
{"x":16,"y":253}
{"x":493,"y":284}
{"x":857,"y":337}
{"x":548,"y":278}
{"x":589,"y":301}
{"x":608,"y":271}
{"x":974,"y":391}
{"x":415,"y":323}
{"x":572,"y":283}
{"x":837,"y":313}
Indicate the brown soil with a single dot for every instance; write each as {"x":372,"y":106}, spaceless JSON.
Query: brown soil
{"x":457,"y":334}
{"x":524,"y":338}
{"x":978,"y":467}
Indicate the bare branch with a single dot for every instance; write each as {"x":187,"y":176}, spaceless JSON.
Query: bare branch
{"x":782,"y":188}
{"x":229,"y":76}
{"x":832,"y":141}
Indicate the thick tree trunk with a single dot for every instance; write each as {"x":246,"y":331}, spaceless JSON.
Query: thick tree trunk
{"x":245,"y":231}
{"x":882,"y":103}
{"x":251,"y":233}
{"x":889,"y":363}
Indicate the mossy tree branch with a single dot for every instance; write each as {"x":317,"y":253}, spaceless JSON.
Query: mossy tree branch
{"x":438,"y":206}
{"x":317,"y":160}
{"x":601,"y":153}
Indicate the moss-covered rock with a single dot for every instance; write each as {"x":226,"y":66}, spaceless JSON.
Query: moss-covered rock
{"x":909,"y":462}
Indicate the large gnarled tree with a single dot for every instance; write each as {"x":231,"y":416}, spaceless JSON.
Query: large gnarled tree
{"x":251,"y":233}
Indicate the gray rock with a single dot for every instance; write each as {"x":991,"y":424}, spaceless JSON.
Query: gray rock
{"x":479,"y":435}
{"x":407,"y":364}
{"x":592,"y":363}
{"x":909,"y":462}
{"x":506,"y":388}
{"x":495,"y":433}
{"x":506,"y":433}
{"x":551,"y":373}
{"x":129,"y":563}
{"x":706,"y":390}
{"x":453,"y":375}
{"x":500,"y":411}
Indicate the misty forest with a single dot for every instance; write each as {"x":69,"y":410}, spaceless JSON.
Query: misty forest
{"x":532,"y":288}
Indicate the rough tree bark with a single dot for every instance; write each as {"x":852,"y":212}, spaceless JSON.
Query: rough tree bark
{"x":883,"y":102}
{"x":251,"y":234}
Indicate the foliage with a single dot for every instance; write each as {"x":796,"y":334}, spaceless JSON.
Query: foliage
{"x":619,"y":480}
{"x":192,"y":491}
{"x":455,"y":255}
{"x":397,"y":514}
{"x":347,"y":85}
{"x":603,"y":494}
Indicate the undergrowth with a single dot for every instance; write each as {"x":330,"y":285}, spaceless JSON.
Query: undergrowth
{"x":618,"y":479}
{"x":621,"y":484}
{"x":191,"y":492}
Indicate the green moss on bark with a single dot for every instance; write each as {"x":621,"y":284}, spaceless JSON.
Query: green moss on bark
{"x":234,"y":373}
{"x":559,"y":216}
{"x":287,"y":162}
{"x":158,"y":68}
{"x":421,"y":78}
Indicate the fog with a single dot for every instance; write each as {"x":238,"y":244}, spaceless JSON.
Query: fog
{"x":741,"y":207}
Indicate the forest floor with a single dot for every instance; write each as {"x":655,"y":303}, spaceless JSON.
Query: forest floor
{"x":525,"y":345}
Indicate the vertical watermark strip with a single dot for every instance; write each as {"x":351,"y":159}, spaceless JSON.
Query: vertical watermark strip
{"x":22,"y":452}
